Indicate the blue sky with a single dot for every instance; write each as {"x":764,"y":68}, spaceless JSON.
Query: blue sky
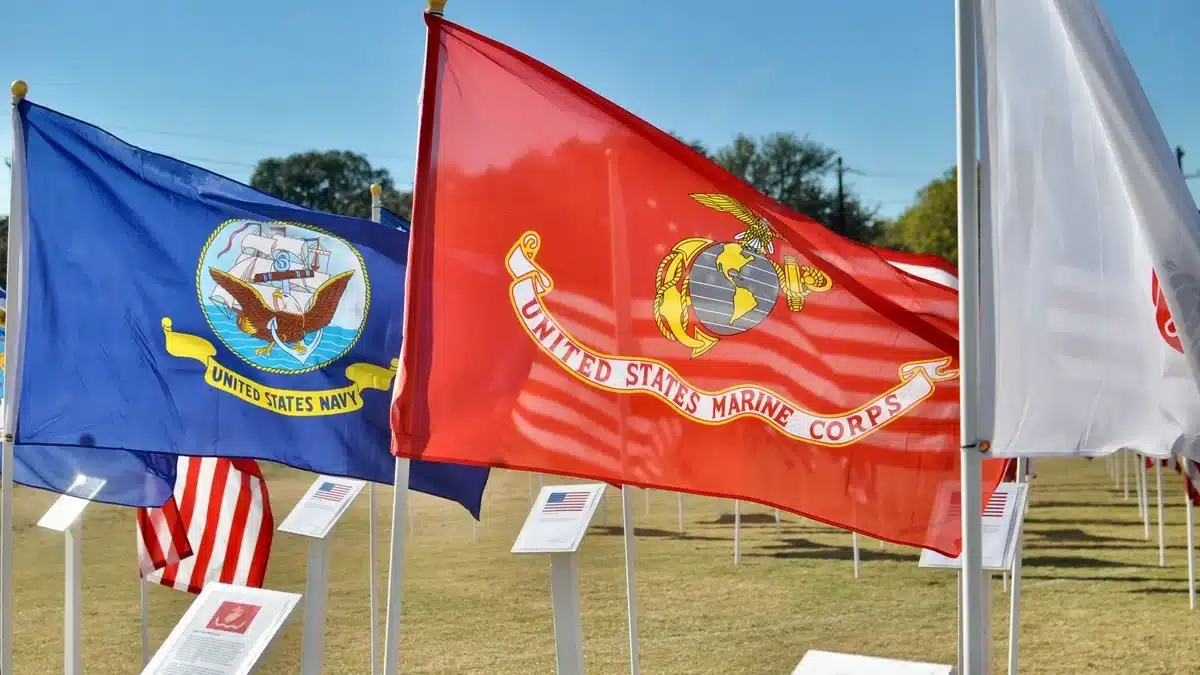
{"x":224,"y":83}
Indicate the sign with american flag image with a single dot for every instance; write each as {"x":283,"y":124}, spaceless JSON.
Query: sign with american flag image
{"x":1003,"y":517}
{"x":320,"y":508}
{"x":559,"y":519}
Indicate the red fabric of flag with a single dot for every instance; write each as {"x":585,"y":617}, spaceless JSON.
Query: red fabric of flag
{"x":217,"y":526}
{"x":590,"y":297}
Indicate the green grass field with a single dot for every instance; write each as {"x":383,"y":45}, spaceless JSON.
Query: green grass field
{"x":1094,"y":601}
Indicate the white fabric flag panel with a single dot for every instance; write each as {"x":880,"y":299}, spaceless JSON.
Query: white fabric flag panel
{"x":1086,"y":202}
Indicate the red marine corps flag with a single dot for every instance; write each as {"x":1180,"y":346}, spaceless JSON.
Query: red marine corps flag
{"x":590,"y":297}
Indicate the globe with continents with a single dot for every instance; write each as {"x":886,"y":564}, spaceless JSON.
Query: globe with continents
{"x":732,"y":287}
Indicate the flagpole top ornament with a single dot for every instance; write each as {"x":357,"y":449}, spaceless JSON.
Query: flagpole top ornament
{"x":19,"y":88}
{"x":436,"y":7}
{"x":376,"y":189}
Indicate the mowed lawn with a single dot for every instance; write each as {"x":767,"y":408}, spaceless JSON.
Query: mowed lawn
{"x":1095,"y":600}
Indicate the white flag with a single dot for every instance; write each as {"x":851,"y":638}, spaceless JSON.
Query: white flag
{"x":1087,"y":203}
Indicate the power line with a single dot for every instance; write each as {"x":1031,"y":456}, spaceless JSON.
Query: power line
{"x":228,"y":140}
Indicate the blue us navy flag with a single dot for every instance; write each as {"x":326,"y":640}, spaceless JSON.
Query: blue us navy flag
{"x":171,"y":310}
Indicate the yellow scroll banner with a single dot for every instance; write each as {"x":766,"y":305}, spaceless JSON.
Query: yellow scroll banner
{"x":291,"y":402}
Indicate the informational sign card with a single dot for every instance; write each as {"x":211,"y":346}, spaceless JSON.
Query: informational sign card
{"x":227,"y":631}
{"x":1002,"y":520}
{"x":559,"y":519}
{"x":321,"y":507}
{"x":817,"y":662}
{"x":66,"y":509}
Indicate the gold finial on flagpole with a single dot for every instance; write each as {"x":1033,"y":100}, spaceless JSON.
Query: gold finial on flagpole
{"x":376,"y":189}
{"x":436,"y":7}
{"x":19,"y":88}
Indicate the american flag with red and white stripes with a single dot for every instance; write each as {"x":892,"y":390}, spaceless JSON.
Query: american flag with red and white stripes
{"x":217,"y":527}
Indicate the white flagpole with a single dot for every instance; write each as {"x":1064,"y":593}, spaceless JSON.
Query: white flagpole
{"x":679,"y":500}
{"x":395,"y":582}
{"x":144,"y":605}
{"x":854,"y":543}
{"x":737,"y":532}
{"x":372,"y":567}
{"x":619,"y":247}
{"x":17,"y":224}
{"x":1014,"y":601}
{"x":1125,"y":472}
{"x":1191,"y":549}
{"x":1144,"y":479}
{"x":1158,"y":492}
{"x":778,"y":525}
{"x":975,"y":611}
{"x":630,"y":583}
{"x":1191,"y":559}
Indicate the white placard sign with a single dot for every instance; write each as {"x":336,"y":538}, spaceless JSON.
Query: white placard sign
{"x":324,"y":503}
{"x":226,"y":631}
{"x":817,"y":662}
{"x":1002,"y":519}
{"x":559,"y":519}
{"x":66,"y":509}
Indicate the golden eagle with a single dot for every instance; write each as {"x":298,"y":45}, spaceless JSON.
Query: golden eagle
{"x":254,"y":316}
{"x":759,"y":235}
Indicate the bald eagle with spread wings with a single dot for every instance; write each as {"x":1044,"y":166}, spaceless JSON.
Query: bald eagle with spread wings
{"x":759,"y":234}
{"x":254,"y":316}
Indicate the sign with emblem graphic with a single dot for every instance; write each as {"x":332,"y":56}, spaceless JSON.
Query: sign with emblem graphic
{"x":227,"y":631}
{"x":708,"y":291}
{"x":287,"y":299}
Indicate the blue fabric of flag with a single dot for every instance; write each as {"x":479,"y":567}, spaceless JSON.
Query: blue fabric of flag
{"x":392,"y":220}
{"x":171,"y":310}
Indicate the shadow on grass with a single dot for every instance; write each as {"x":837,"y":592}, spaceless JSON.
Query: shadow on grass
{"x":1074,"y":535}
{"x":618,"y":531}
{"x":1115,"y":522}
{"x":1072,"y":562}
{"x":1041,"y":504}
{"x":1160,"y":590}
{"x":1093,"y":577}
{"x":747,"y":519}
{"x":806,"y":549}
{"x":1133,"y":545}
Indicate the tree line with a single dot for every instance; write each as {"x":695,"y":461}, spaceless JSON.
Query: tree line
{"x":796,"y":171}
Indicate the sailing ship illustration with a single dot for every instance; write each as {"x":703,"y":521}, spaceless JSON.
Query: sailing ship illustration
{"x":279,"y":289}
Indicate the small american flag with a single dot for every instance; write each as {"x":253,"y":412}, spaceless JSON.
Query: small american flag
{"x":332,"y":492}
{"x":560,"y":502}
{"x":216,"y":527}
{"x":994,"y":508}
{"x":995,"y":505}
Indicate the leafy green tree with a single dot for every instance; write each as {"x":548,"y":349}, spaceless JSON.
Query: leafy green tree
{"x":931,"y":224}
{"x":335,"y":181}
{"x":797,"y":172}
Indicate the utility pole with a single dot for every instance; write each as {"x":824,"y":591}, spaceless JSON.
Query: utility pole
{"x":841,"y":198}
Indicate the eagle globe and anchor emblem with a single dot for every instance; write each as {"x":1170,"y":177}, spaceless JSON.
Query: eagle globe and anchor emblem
{"x":729,"y":286}
{"x":288,"y":299}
